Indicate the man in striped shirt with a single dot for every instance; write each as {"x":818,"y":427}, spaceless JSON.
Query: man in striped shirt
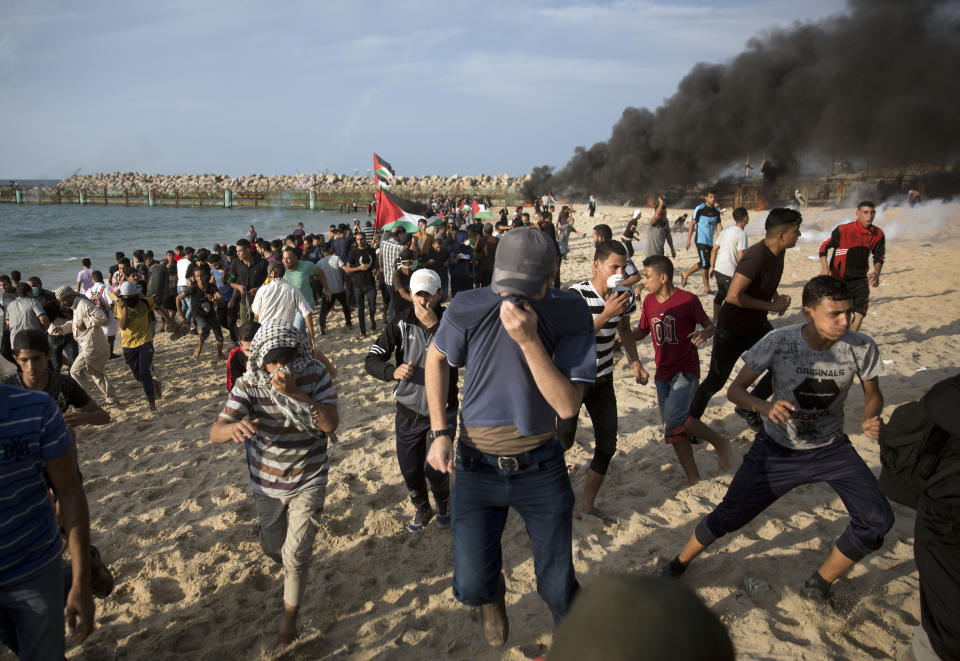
{"x":282,"y":409}
{"x":34,"y":439}
{"x":611,"y":306}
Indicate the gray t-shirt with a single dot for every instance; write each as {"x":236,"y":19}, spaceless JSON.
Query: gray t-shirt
{"x":656,"y":237}
{"x":331,"y":265}
{"x":24,"y":314}
{"x":815,"y":382}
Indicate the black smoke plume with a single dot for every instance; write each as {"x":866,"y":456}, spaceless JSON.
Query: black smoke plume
{"x":880,"y":82}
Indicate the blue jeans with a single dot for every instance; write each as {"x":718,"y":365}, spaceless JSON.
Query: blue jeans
{"x":674,"y":397}
{"x":770,"y":470}
{"x":31,"y":615}
{"x":186,"y":305}
{"x":205,"y":326}
{"x":299,"y":322}
{"x":539,"y":489}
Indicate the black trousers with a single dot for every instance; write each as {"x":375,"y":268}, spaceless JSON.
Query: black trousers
{"x":727,"y":348}
{"x":936,"y":549}
{"x":601,"y":402}
{"x":326,"y":306}
{"x":5,"y":350}
{"x":412,"y":457}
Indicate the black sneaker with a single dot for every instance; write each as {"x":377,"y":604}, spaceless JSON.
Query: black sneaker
{"x":443,"y":512}
{"x":816,"y":589}
{"x":672,"y":569}
{"x":753,"y":420}
{"x":100,"y":577}
{"x":421,"y":519}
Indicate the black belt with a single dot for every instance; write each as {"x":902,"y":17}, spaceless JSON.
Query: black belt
{"x":550,"y":449}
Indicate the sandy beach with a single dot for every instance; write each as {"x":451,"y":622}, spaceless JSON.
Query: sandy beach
{"x":174,"y":517}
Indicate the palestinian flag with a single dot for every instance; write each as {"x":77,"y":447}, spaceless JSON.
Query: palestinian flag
{"x":382,"y":172}
{"x":394,"y":211}
{"x":481,"y":211}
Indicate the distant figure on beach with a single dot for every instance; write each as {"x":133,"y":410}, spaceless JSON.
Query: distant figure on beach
{"x":85,"y":276}
{"x":726,"y":254}
{"x":251,"y":235}
{"x":658,"y":231}
{"x":853,"y":244}
{"x":592,"y":206}
{"x":94,"y":352}
{"x":913,"y":197}
{"x":705,"y":226}
{"x":508,"y":453}
{"x":630,"y":233}
{"x":132,"y":311}
{"x":282,"y":409}
{"x":813,"y":366}
{"x":800,"y":199}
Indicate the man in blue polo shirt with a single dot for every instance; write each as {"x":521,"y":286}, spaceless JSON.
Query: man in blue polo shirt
{"x":706,"y":224}
{"x":527,"y":351}
{"x":34,"y":438}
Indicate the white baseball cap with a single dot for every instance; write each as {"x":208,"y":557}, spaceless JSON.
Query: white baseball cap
{"x":425,"y":280}
{"x":636,"y":212}
{"x":128,"y":288}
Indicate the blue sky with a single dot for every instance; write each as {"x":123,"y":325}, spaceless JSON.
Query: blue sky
{"x":284,"y":87}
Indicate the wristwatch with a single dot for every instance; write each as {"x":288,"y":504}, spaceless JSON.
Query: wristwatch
{"x":437,"y":433}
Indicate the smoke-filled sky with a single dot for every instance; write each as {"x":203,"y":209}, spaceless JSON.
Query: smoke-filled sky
{"x":435,"y":87}
{"x":879,"y":84}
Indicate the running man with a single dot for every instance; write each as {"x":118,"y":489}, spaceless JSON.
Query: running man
{"x":853,"y":244}
{"x":136,"y":337}
{"x":527,"y":350}
{"x":802,"y":441}
{"x":406,"y":340}
{"x":743,"y":317}
{"x":610,"y":305}
{"x":283,"y":409}
{"x":706,"y":223}
{"x":671,"y":316}
{"x":726,"y":254}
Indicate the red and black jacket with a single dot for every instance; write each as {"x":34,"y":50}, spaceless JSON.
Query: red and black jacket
{"x":852,"y":245}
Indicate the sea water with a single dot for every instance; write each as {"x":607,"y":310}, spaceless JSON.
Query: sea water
{"x":50,"y":240}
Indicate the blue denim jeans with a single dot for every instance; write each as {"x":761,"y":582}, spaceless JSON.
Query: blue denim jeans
{"x":31,"y":615}
{"x":539,"y":489}
{"x":674,"y":398}
{"x":299,"y":322}
{"x":186,"y":304}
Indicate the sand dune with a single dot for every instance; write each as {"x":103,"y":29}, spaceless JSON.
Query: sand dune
{"x":174,"y":517}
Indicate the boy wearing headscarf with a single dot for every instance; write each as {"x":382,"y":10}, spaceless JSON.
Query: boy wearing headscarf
{"x":283,"y":408}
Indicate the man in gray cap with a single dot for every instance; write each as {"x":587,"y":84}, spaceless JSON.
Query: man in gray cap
{"x":527,"y":351}
{"x":88,"y":320}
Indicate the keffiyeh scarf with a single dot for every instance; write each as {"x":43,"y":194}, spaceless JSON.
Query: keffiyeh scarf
{"x":278,"y":334}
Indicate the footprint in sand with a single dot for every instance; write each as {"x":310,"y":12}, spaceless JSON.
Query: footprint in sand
{"x":165,"y":591}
